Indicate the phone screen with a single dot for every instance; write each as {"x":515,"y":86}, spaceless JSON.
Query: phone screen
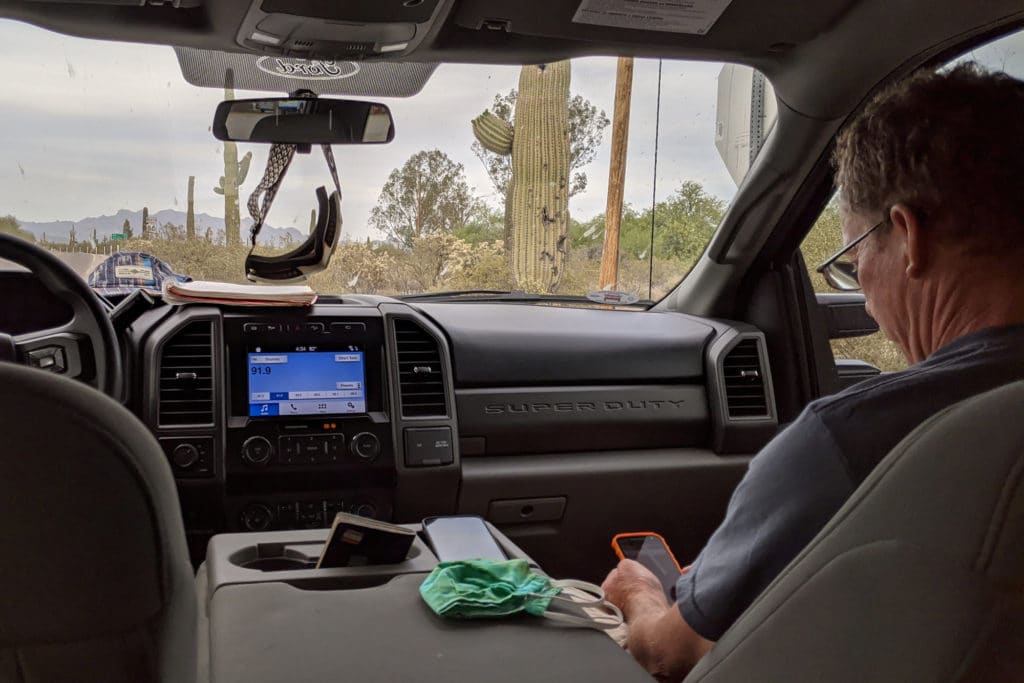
{"x":650,"y":551}
{"x":461,"y":538}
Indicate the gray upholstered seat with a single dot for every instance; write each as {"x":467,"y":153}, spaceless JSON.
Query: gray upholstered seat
{"x":919,"y":577}
{"x":95,"y":582}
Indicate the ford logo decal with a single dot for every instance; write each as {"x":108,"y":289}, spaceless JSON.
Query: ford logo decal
{"x":307,"y":69}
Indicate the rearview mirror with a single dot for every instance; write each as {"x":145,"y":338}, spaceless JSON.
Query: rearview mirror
{"x":297,"y":120}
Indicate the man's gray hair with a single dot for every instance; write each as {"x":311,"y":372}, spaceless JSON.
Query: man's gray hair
{"x":949,"y":144}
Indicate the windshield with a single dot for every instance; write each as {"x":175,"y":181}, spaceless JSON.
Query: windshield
{"x":110,"y":151}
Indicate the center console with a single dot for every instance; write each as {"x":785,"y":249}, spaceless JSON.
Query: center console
{"x":308,"y":432}
{"x":269,"y":615}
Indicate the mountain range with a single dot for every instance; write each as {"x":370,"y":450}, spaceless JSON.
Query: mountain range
{"x":105,"y":226}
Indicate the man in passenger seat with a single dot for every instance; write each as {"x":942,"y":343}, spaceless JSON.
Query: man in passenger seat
{"x":931,"y":185}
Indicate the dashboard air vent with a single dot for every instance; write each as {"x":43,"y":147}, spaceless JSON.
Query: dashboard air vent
{"x":186,"y":377}
{"x":420,"y":373}
{"x":744,"y":381}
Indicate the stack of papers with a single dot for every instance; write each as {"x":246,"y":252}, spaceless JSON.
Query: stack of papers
{"x":237,"y":295}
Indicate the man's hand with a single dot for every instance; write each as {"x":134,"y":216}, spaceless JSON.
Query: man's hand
{"x":659,"y":638}
{"x":634,"y":589}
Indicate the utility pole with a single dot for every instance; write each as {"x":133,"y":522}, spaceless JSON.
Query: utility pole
{"x":616,"y":174}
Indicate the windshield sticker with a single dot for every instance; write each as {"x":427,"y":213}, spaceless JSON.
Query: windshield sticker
{"x":307,"y":70}
{"x":615,"y":298}
{"x":675,"y":16}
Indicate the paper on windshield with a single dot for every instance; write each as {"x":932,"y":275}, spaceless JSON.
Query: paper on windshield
{"x":674,"y":16}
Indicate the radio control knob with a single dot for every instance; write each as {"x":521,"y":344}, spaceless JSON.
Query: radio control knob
{"x":365,"y":445}
{"x":184,"y":456}
{"x":256,"y":451}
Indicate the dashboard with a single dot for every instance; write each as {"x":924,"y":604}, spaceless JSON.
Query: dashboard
{"x":279,"y":418}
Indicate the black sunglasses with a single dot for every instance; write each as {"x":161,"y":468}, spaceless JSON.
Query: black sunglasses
{"x":840,"y":274}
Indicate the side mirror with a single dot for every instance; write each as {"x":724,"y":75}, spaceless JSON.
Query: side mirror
{"x":303,"y":121}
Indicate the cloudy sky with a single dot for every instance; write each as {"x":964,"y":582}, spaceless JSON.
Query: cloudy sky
{"x":91,"y":127}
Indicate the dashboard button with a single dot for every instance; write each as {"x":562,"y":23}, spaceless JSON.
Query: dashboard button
{"x":317,"y":328}
{"x":312,"y":448}
{"x":427,"y":446}
{"x":286,"y":450}
{"x":347,"y":328}
{"x":335,"y":445}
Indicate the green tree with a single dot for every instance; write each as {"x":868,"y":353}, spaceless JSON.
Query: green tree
{"x":427,"y":195}
{"x":9,"y":225}
{"x":586,"y":131}
{"x":126,"y":228}
{"x":824,"y":239}
{"x":683,"y":225}
{"x":485,"y":225}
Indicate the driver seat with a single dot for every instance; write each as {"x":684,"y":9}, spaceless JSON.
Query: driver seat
{"x":918,"y":577}
{"x":95,"y":580}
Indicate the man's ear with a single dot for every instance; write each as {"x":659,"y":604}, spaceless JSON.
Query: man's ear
{"x":907,"y":225}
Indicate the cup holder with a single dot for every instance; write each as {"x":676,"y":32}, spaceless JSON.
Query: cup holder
{"x":277,"y":564}
{"x":283,"y":557}
{"x":277,"y":557}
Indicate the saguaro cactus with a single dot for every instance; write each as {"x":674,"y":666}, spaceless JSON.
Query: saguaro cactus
{"x":537,"y":207}
{"x":190,"y":217}
{"x":235,"y":172}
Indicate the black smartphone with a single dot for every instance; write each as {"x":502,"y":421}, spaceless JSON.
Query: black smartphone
{"x":461,"y":537}
{"x":652,"y":551}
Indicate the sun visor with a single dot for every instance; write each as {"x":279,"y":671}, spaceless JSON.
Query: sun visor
{"x":212,"y":69}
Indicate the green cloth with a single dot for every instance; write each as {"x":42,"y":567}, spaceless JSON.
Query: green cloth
{"x":470,"y":589}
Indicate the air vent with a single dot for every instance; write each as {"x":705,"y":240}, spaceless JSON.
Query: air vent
{"x":744,"y":381}
{"x":420,"y":374}
{"x":186,"y":377}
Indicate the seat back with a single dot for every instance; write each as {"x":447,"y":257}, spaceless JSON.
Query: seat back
{"x":95,"y":580}
{"x":919,"y":576}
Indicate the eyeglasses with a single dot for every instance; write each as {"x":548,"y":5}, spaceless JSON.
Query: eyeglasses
{"x":842,"y":274}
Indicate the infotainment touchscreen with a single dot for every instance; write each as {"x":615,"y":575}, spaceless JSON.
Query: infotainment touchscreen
{"x":306,"y":383}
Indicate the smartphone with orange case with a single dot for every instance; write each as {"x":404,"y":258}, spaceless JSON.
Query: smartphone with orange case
{"x":651,"y":550}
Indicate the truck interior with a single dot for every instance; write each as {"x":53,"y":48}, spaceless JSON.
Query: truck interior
{"x":158,"y":526}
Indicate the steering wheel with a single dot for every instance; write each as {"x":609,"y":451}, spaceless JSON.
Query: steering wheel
{"x":86,"y":342}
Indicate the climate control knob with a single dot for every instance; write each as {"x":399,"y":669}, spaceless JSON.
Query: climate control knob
{"x":256,"y":451}
{"x":365,"y":445}
{"x":257,"y":517}
{"x":184,"y":456}
{"x":365,"y":510}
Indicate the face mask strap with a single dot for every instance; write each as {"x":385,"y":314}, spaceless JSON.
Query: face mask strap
{"x":612,"y":615}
